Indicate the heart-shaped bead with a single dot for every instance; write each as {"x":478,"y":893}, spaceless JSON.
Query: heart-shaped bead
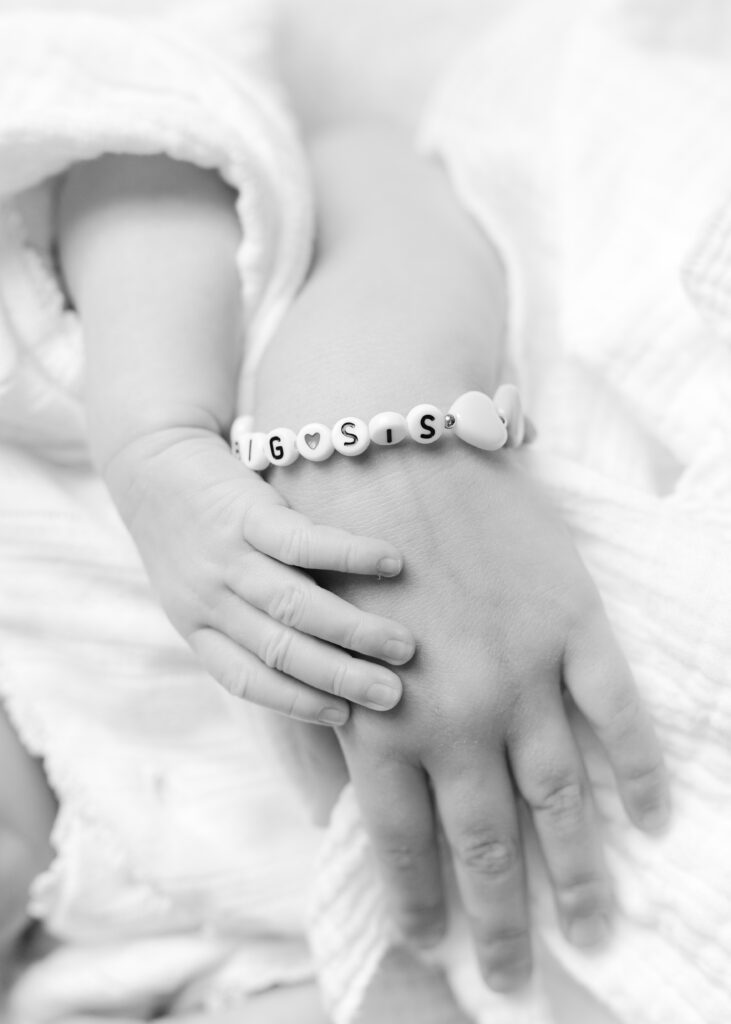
{"x":314,"y":442}
{"x":508,"y":404}
{"x":476,"y":421}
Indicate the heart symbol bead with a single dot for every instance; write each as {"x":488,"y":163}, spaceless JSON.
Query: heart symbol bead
{"x":476,"y":421}
{"x":312,"y":440}
{"x":508,"y":404}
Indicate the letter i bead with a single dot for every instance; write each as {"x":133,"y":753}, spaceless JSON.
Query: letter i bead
{"x":350,"y":436}
{"x":249,"y":445}
{"x":281,"y":447}
{"x":387,"y":428}
{"x":314,"y":442}
{"x":425,"y":423}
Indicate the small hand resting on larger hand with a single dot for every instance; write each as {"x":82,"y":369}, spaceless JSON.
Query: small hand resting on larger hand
{"x":147,"y":248}
{"x":405,"y":306}
{"x":224,"y":554}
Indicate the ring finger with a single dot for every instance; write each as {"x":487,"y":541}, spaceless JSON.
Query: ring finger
{"x":550,"y":775}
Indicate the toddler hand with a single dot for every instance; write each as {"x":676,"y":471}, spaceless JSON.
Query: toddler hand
{"x":225,"y":555}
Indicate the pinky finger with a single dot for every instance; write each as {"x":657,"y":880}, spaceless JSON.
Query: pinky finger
{"x":599,"y":679}
{"x":242,"y":675}
{"x":292,"y":538}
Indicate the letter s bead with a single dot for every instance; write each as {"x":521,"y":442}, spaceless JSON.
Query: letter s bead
{"x":350,"y":436}
{"x":281,"y":447}
{"x":425,"y":423}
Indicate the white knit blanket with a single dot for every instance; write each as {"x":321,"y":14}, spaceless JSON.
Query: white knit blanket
{"x":592,"y":141}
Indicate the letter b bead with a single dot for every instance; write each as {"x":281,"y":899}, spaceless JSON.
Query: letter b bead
{"x":350,"y":436}
{"x":425,"y":423}
{"x":281,"y":447}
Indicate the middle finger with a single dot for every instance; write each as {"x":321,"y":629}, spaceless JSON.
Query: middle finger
{"x":478,"y":810}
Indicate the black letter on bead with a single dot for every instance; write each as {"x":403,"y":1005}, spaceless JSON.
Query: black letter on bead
{"x":348,"y":433}
{"x":388,"y":435}
{"x":276,"y":450}
{"x":251,"y":445}
{"x":428,"y":429}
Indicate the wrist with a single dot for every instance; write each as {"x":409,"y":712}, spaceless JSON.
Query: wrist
{"x":131,"y":470}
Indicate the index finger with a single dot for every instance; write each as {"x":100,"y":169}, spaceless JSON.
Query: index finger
{"x":292,"y":538}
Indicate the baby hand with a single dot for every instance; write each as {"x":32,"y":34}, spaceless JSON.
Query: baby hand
{"x":226,"y":556}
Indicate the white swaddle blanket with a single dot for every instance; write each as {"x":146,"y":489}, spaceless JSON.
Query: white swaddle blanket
{"x":591,"y":140}
{"x":181,"y":850}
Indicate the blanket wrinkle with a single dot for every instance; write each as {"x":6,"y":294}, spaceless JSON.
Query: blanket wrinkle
{"x":195,"y":85}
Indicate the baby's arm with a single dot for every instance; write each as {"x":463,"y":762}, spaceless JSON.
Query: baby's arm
{"x":148,"y":252}
{"x":406,"y":304}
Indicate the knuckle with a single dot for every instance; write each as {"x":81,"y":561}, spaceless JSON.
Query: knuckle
{"x":276,"y":649}
{"x":354,"y":635}
{"x":482,"y":851}
{"x":340,"y":676}
{"x":296,"y":547}
{"x":288,"y":606}
{"x":401,"y":858}
{"x":623,"y":715}
{"x":564,"y":806}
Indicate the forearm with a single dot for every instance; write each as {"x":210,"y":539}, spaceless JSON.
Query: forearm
{"x":366,"y":332}
{"x":147,"y":248}
{"x":405,"y":304}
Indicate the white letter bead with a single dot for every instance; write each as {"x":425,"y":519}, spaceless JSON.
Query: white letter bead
{"x":477,"y":423}
{"x":254,"y":451}
{"x":281,"y":447}
{"x":508,"y":404}
{"x":249,"y":445}
{"x":425,"y":423}
{"x":350,"y":436}
{"x":387,"y":428}
{"x":314,"y":442}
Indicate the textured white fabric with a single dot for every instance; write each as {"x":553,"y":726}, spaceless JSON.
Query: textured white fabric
{"x":591,"y":139}
{"x":191,"y":80}
{"x":180,"y":848}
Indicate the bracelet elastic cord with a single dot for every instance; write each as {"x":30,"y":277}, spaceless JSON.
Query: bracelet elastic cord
{"x":481,"y":421}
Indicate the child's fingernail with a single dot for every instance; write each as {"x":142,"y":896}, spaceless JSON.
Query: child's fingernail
{"x":398,"y":651}
{"x":509,"y":978}
{"x":333,"y":716}
{"x":657,"y":818}
{"x":589,"y":931}
{"x":389,"y":567}
{"x":383,"y":696}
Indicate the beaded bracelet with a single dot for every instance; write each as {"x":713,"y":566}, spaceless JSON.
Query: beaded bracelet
{"x":481,"y":421}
